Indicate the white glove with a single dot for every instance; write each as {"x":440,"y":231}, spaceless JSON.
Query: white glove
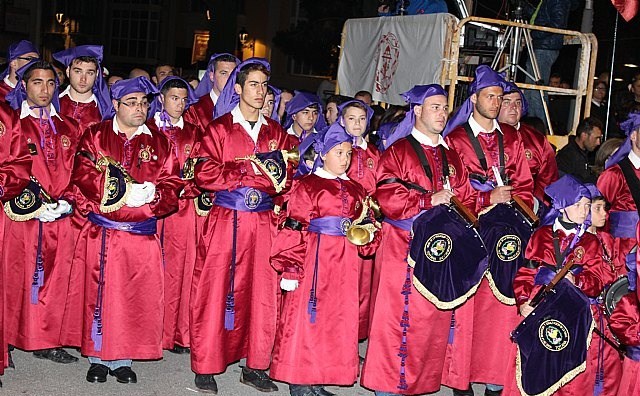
{"x":49,"y":214}
{"x":62,"y":208}
{"x":150,"y":190}
{"x":288,"y":284}
{"x":137,"y":196}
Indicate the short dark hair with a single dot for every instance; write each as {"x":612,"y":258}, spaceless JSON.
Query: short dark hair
{"x":155,"y":69}
{"x":173,"y":83}
{"x":555,"y":75}
{"x":224,"y":58}
{"x":38,"y":65}
{"x":337,"y":99}
{"x":587,"y":125}
{"x":363,"y":93}
{"x":359,"y":105}
{"x":87,"y":59}
{"x":241,"y":78}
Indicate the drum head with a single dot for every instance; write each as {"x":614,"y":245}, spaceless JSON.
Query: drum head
{"x":614,"y":293}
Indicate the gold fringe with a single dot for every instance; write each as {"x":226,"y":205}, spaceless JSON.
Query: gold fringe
{"x":568,"y":377}
{"x":105,"y":194}
{"x":502,"y":298}
{"x":200,"y":212}
{"x":25,"y":217}
{"x":278,"y":186}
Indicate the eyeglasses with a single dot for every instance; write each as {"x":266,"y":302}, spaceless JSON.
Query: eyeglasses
{"x":28,"y":58}
{"x":133,"y":104}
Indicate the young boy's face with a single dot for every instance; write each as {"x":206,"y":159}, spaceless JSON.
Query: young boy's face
{"x":355,"y":121}
{"x":598,"y":213}
{"x":306,"y":119}
{"x":337,"y":160}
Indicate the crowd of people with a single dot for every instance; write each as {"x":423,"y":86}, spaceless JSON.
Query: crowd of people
{"x":236,"y":221}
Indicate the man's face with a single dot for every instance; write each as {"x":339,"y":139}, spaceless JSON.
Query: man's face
{"x":220,"y":75}
{"x":163,"y":72}
{"x":366,"y":98}
{"x":355,"y":121}
{"x":511,"y":109}
{"x":487,"y":102}
{"x":132,"y":109}
{"x":306,"y":118}
{"x":40,"y":87}
{"x":593,"y":139}
{"x":555,"y":82}
{"x":599,"y":92}
{"x":331,"y":114}
{"x":431,"y":116}
{"x":23,"y":60}
{"x":174,"y":101}
{"x":82,"y":76}
{"x":254,"y":90}
{"x":635,"y":89}
{"x":269,"y":103}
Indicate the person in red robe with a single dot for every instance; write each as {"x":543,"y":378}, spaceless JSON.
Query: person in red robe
{"x":178,"y":232}
{"x":481,"y":347}
{"x":41,"y":234}
{"x":209,"y":89}
{"x":86,"y":99}
{"x":317,"y":338}
{"x":129,"y":178}
{"x":590,"y":273}
{"x":15,"y":169}
{"x":354,"y":116}
{"x":618,"y":183}
{"x":303,"y":116}
{"x":538,"y":152}
{"x":385,"y":370}
{"x":234,"y":293}
{"x":19,"y":54}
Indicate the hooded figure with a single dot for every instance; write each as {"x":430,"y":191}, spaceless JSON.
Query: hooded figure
{"x":156,"y":105}
{"x":300,"y":101}
{"x":206,"y":85}
{"x":228,"y":97}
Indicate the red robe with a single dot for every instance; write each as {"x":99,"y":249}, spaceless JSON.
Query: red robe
{"x":15,"y":168}
{"x":39,"y":326}
{"x":85,"y":114}
{"x":4,"y":90}
{"x":429,"y":327}
{"x":363,"y":170}
{"x":201,"y":113}
{"x":178,"y":235}
{"x":614,"y":188}
{"x":596,"y":273}
{"x":541,"y":159}
{"x":213,"y":347}
{"x":324,"y":352}
{"x":479,"y":350}
{"x":133,"y":304}
{"x":625,"y":324}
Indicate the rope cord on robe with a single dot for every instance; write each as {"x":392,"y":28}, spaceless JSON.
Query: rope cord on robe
{"x":38,"y":273}
{"x":96,"y":325}
{"x":230,"y":305}
{"x":312,"y":306}
{"x":452,"y":328}
{"x":164,"y":263}
{"x":404,"y":325}
{"x":44,"y":111}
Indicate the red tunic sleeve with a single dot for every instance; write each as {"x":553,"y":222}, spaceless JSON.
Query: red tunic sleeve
{"x":625,"y":320}
{"x":15,"y":160}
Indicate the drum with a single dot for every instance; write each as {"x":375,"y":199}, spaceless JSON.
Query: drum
{"x":448,"y":257}
{"x":553,"y":341}
{"x":614,"y":293}
{"x":506,"y":232}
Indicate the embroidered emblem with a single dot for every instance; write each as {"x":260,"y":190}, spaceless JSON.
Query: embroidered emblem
{"x":273,"y":144}
{"x":345,"y":224}
{"x":145,"y":153}
{"x":64,"y":140}
{"x":508,"y":248}
{"x":387,"y":56}
{"x":370,"y":163}
{"x":3,"y":129}
{"x":553,"y":335}
{"x":527,"y":154}
{"x":112,"y":188}
{"x":452,"y":170}
{"x":26,"y":200}
{"x":438,"y":247}
{"x":273,"y":168}
{"x":187,"y":149}
{"x":252,"y":198}
{"x":579,"y":253}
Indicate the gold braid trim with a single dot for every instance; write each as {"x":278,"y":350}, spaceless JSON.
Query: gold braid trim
{"x":278,"y":186}
{"x":443,"y":305}
{"x":25,"y":217}
{"x":568,"y":377}
{"x":104,"y":208}
{"x":502,"y":298}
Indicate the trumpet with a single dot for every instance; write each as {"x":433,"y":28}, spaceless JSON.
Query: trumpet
{"x":363,"y":229}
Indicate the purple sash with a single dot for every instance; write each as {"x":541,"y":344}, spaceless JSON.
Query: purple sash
{"x":244,"y":199}
{"x":633,"y":353}
{"x":330,"y":225}
{"x":623,"y":223}
{"x":145,"y":227}
{"x":404,"y":224}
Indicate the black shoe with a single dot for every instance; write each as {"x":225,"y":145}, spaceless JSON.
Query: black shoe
{"x":257,"y":379}
{"x":124,"y":375}
{"x":57,"y":355}
{"x":320,"y":391}
{"x":467,"y":392}
{"x":206,"y":383}
{"x":10,"y":359}
{"x":180,"y":350}
{"x":0,"y":383}
{"x":488,"y":392}
{"x":97,"y":373}
{"x":301,"y":390}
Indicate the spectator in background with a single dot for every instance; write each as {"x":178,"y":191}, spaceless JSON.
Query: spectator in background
{"x":62,"y":77}
{"x":192,"y":80}
{"x":162,"y":71}
{"x":630,"y":101}
{"x":555,"y":80}
{"x":574,"y":158}
{"x":113,"y":79}
{"x":599,"y":109}
{"x":138,"y":72}
{"x":285,"y":96}
{"x":364,"y":96}
{"x":331,"y":109}
{"x":606,"y":150}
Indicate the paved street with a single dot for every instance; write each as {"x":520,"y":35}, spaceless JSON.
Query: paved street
{"x":170,"y":376}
